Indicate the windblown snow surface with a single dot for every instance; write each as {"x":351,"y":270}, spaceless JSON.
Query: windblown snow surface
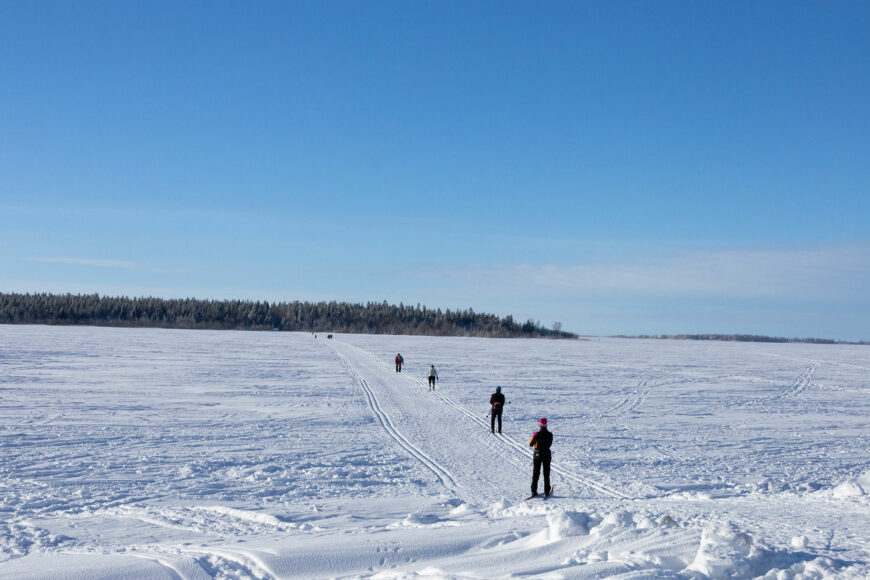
{"x":143,"y":453}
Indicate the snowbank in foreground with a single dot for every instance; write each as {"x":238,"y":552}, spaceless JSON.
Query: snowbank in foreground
{"x":858,"y":487}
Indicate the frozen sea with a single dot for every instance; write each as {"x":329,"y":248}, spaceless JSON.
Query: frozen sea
{"x":148,"y":453}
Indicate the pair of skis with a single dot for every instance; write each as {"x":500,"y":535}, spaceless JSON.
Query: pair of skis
{"x":544,"y":496}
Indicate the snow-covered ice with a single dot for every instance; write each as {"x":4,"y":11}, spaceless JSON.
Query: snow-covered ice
{"x":146,"y":453}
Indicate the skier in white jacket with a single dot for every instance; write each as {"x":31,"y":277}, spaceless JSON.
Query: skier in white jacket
{"x":433,"y":376}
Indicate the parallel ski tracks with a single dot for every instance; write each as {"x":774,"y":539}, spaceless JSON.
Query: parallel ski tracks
{"x":634,"y":400}
{"x":641,"y":392}
{"x":647,"y":385}
{"x":800,"y":384}
{"x":383,"y":418}
{"x":518,"y":447}
{"x":524,"y":449}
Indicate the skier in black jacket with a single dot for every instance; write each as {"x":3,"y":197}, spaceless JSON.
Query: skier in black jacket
{"x":542,"y":440}
{"x":496,"y":401}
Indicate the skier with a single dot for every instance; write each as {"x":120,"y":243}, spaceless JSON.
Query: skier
{"x":497,"y":403}
{"x":433,"y":376}
{"x":542,"y":441}
{"x":399,"y":361}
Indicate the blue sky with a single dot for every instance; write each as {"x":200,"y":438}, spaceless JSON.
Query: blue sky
{"x":620,"y":167}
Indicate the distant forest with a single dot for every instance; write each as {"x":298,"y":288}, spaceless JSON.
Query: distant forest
{"x":743,"y":338}
{"x":370,"y":318}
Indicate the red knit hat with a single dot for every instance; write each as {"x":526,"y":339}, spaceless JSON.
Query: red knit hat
{"x":543,"y":422}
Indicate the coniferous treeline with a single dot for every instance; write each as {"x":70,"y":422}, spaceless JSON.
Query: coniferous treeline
{"x":371,"y":318}
{"x":742,"y":338}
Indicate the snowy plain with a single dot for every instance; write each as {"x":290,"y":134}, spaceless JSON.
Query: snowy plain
{"x":147,"y":453}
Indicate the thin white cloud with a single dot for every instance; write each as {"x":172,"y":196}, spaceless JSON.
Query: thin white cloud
{"x":171,"y":271}
{"x":830,"y":272}
{"x":87,"y":262}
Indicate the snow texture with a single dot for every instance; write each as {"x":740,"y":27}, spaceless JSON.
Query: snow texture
{"x":145,"y":453}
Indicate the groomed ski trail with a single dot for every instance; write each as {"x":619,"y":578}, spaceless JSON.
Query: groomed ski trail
{"x":525,"y":449}
{"x":519,"y":453}
{"x":384,"y":419}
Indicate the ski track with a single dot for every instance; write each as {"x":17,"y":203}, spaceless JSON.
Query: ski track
{"x":799,"y":385}
{"x":643,"y":393}
{"x":627,"y":404}
{"x":802,"y":383}
{"x":384,"y":419}
{"x":517,"y":447}
{"x":204,"y":519}
{"x":640,"y":393}
{"x":645,"y":387}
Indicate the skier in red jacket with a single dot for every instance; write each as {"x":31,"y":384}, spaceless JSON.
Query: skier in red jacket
{"x":399,"y":361}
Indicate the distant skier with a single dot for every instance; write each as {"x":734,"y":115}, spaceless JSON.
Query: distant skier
{"x":433,"y":376}
{"x":496,"y":401}
{"x":542,"y":440}
{"x":399,"y":361}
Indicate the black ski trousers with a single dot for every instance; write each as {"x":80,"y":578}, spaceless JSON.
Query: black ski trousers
{"x":542,"y":460}
{"x":398,"y":367}
{"x":493,"y":415}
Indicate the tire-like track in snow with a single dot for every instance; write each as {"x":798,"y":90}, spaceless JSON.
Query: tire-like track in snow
{"x":643,"y":389}
{"x":797,"y":386}
{"x":569,"y":475}
{"x":801,"y":383}
{"x":384,"y":419}
{"x":634,"y":400}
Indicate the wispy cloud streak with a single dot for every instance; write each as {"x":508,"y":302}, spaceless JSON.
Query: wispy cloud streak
{"x":833,"y":272}
{"x":86,"y":262}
